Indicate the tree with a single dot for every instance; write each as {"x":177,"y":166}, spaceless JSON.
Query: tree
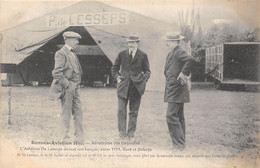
{"x":232,"y":32}
{"x":252,"y":35}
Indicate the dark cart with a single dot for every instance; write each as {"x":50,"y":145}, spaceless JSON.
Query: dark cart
{"x":234,"y":63}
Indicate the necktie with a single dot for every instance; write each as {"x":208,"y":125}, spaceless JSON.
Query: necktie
{"x":73,"y":51}
{"x":77,"y":60}
{"x":131,"y":55}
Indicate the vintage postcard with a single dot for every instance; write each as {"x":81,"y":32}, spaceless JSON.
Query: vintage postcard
{"x":115,"y":84}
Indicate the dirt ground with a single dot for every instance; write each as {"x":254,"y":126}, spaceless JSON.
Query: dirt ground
{"x":217,"y":122}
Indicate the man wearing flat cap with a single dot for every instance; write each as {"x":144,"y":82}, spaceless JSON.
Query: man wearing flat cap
{"x":131,"y":70}
{"x":177,"y":68}
{"x":66,"y":84}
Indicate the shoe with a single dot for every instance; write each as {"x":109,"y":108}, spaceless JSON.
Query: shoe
{"x":122,"y":136}
{"x":132,"y":139}
{"x":119,"y":138}
{"x":65,"y":138}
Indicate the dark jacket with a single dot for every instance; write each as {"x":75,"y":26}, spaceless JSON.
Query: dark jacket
{"x":177,"y":61}
{"x":137,"y":70}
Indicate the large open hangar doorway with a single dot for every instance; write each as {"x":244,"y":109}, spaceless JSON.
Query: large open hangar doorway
{"x":95,"y":64}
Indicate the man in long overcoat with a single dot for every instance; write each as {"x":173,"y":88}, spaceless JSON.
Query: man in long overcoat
{"x":131,"y":70}
{"x":66,"y":84}
{"x":177,"y":68}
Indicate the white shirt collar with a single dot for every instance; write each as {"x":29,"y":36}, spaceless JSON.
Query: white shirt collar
{"x":69,"y":47}
{"x":134,"y":51}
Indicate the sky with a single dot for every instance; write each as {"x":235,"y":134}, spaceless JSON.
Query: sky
{"x":13,"y":13}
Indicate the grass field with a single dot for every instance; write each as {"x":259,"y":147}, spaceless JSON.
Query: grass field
{"x":221,"y":122}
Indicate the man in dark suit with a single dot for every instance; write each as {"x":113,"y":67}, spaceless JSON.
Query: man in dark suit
{"x":177,"y":68}
{"x":66,"y":84}
{"x":131,"y":70}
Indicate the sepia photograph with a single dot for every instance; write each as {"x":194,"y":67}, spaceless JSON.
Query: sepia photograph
{"x":129,"y":84}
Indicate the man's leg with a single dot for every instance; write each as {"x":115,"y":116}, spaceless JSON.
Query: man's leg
{"x":134,"y":104}
{"x":174,"y":124}
{"x":78,"y":116}
{"x":66,"y":103}
{"x":182,"y":119}
{"x":121,"y":115}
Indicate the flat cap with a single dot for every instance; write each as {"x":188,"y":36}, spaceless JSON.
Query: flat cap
{"x":71,"y":34}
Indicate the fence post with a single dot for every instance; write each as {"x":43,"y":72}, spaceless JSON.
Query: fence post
{"x":9,"y":105}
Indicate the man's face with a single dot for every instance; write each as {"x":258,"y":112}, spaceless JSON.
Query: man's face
{"x":73,"y":42}
{"x":132,"y":45}
{"x":171,"y":44}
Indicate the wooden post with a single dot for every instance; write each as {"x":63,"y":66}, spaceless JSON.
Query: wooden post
{"x":9,"y":105}
{"x":21,"y":75}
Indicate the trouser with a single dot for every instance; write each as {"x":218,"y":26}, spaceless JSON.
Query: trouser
{"x":176,"y":124}
{"x":71,"y":104}
{"x":134,"y":99}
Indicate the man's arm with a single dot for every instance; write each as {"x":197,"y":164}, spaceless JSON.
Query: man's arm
{"x":146,"y":68}
{"x":188,"y":62}
{"x":58,"y":73}
{"x":187,"y":67}
{"x":115,"y":69}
